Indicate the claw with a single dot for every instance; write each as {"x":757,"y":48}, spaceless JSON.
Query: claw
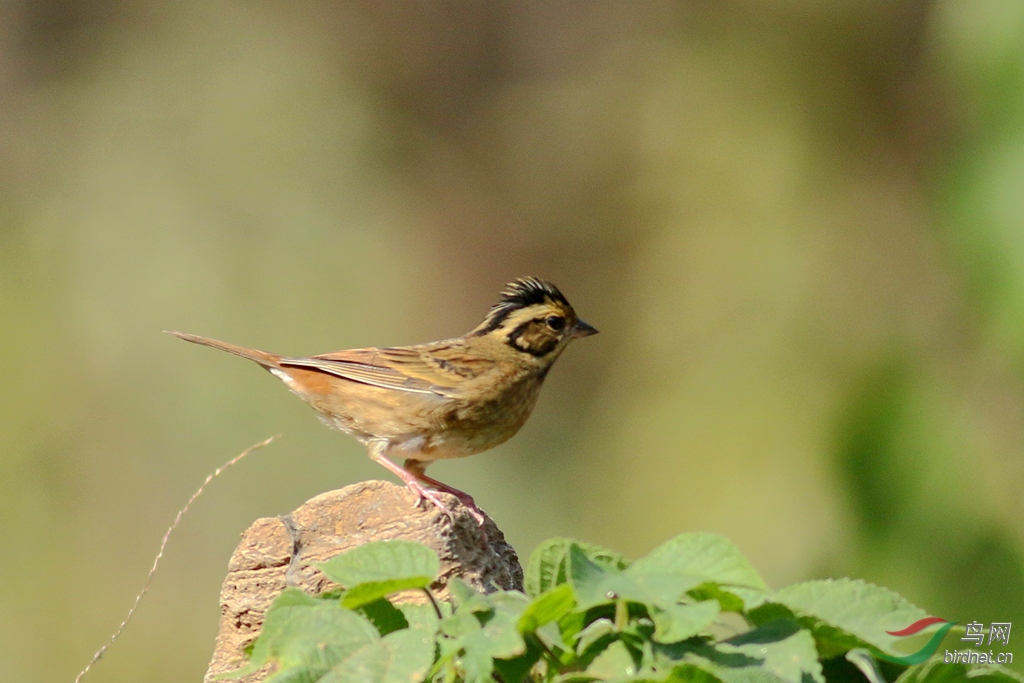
{"x":425,"y":494}
{"x":426,"y":488}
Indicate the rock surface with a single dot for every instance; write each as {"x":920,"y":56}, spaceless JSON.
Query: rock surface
{"x":277,"y":552}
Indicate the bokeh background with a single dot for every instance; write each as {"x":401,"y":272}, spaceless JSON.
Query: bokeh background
{"x":799,"y":225}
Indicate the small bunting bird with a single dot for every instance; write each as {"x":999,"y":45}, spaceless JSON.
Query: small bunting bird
{"x":443,"y":399}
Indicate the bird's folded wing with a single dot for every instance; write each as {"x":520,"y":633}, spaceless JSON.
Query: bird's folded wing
{"x":399,"y":369}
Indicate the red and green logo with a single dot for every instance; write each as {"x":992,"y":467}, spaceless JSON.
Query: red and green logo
{"x":929,"y":648}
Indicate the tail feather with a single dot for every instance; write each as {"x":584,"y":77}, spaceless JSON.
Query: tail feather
{"x":267,"y":360}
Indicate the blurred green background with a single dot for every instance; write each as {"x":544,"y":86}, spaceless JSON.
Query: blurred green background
{"x":799,"y":226}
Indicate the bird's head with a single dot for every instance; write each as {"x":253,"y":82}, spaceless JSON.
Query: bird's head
{"x":534,"y":319}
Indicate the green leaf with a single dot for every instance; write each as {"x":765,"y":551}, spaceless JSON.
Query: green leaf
{"x":467,"y":599}
{"x":663,"y":589}
{"x":700,"y":557}
{"x":846,"y":613}
{"x":365,"y":593}
{"x":384,"y":616}
{"x":301,"y":631}
{"x":460,"y":625}
{"x":548,"y":607}
{"x":382,"y":561}
{"x":514,"y":669}
{"x":546,"y":568}
{"x":574,"y":677}
{"x":587,"y":578}
{"x":865,"y":662}
{"x":749,"y":675}
{"x":596,"y":585}
{"x":512,"y":603}
{"x":673,"y":623}
{"x":691,"y":673}
{"x":296,"y":676}
{"x":598,"y":634}
{"x":482,"y":629}
{"x":937,"y":671}
{"x":615,"y":662}
{"x":422,"y":616}
{"x":733,"y":599}
{"x":728,"y":667}
{"x":498,"y":638}
{"x":780,"y":648}
{"x":574,"y":622}
{"x":376,"y":570}
{"x":400,"y":657}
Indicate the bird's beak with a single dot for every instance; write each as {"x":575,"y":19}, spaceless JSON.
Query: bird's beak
{"x":581,"y":329}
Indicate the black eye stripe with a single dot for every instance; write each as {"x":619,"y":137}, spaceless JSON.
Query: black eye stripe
{"x":539,"y":347}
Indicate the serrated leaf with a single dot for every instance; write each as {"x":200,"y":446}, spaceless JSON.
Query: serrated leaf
{"x":780,"y":648}
{"x":382,"y":561}
{"x":482,"y":643}
{"x":847,"y":613}
{"x":400,"y":657}
{"x":546,"y":568}
{"x":596,"y":585}
{"x":548,"y":607}
{"x":700,"y":557}
{"x":673,"y":623}
{"x":301,"y":631}
{"x":378,"y":569}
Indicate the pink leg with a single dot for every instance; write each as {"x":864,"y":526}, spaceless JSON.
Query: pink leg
{"x":416,"y":468}
{"x":376,"y":452}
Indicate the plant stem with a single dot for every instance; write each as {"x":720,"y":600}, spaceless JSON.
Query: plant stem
{"x":621,"y":615}
{"x":433,"y":601}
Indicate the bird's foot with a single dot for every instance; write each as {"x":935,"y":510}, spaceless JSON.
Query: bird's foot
{"x":429,"y":494}
{"x":425,"y":494}
{"x":464,"y":498}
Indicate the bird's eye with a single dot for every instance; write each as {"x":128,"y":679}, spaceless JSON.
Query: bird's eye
{"x":555,"y":322}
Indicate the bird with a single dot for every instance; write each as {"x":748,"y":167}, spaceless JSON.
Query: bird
{"x":444,"y":399}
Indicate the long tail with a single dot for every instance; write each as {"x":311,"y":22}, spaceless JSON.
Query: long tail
{"x":267,"y":360}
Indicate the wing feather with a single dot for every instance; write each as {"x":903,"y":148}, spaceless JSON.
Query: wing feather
{"x":400,"y":368}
